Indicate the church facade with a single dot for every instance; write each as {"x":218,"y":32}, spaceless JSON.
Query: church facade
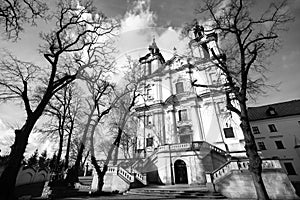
{"x":185,"y":128}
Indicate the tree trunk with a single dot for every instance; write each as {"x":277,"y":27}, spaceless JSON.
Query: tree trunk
{"x":9,"y":175}
{"x":68,"y":148}
{"x":60,"y":146}
{"x":255,"y":161}
{"x":117,"y":144}
{"x":84,"y":160}
{"x":100,"y":173}
{"x":78,"y":160}
{"x":82,"y":143}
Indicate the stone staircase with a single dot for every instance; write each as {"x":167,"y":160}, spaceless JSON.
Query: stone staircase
{"x":86,"y":180}
{"x":176,"y":191}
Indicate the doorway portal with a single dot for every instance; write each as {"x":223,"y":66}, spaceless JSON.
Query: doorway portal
{"x":180,"y":172}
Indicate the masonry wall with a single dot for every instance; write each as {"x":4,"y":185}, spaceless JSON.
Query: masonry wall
{"x":239,"y":184}
{"x":112,"y":183}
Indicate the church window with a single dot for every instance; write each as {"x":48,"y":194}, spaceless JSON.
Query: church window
{"x":182,"y":115}
{"x":149,"y":142}
{"x":228,"y":132}
{"x":179,"y":87}
{"x":213,"y":78}
{"x":185,"y":134}
{"x":149,"y":68}
{"x":221,"y":107}
{"x":185,"y":138}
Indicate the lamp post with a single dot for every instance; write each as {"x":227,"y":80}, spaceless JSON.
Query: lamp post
{"x":171,"y":166}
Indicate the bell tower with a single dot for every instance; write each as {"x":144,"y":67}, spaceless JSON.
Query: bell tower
{"x":153,"y":60}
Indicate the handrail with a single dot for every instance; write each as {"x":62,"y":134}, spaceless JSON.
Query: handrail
{"x":126,"y":175}
{"x":242,"y":164}
{"x":112,"y":170}
{"x":190,"y":146}
{"x":141,"y":177}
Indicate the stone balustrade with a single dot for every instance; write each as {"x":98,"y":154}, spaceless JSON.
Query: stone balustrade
{"x":242,"y":165}
{"x":141,"y":177}
{"x":125,"y":174}
{"x":112,"y":170}
{"x":174,"y":147}
{"x":191,"y":146}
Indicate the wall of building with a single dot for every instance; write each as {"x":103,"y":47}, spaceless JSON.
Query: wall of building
{"x":206,"y":109}
{"x":239,"y":184}
{"x":197,"y":163}
{"x":288,"y":128}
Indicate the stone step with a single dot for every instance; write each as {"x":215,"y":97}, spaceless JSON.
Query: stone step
{"x":60,"y":192}
{"x":86,"y":180}
{"x":185,"y":192}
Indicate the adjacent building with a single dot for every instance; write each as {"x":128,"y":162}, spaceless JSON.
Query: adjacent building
{"x":276,"y":128}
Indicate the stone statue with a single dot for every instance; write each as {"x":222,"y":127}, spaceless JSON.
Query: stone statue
{"x":198,"y":31}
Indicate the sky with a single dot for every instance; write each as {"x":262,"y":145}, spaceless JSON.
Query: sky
{"x":143,"y":20}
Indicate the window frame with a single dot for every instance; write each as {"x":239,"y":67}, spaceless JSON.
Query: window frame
{"x":261,"y":144}
{"x":290,"y":170}
{"x":255,"y":130}
{"x":279,"y":144}
{"x":182,"y":115}
{"x":149,"y":141}
{"x":179,"y":90}
{"x":226,"y":132}
{"x":149,"y":68}
{"x":184,"y":132}
{"x":272,"y":128}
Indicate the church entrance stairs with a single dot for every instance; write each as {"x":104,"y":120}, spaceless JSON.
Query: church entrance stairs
{"x":176,"y":191}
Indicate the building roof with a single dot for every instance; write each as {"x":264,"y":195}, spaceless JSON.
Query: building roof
{"x":276,"y":110}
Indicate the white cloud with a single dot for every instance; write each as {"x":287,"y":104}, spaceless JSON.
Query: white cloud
{"x":139,"y":27}
{"x":6,"y":135}
{"x":139,"y":17}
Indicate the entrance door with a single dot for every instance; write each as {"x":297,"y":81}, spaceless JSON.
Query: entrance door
{"x":180,"y":172}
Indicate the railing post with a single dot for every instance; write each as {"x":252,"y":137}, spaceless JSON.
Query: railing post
{"x":210,"y":182}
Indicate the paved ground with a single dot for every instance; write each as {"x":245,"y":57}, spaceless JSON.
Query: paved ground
{"x":133,"y":197}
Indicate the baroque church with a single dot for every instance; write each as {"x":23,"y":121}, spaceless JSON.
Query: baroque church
{"x":177,"y":120}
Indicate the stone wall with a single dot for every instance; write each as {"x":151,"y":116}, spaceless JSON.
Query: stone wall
{"x":29,"y":175}
{"x":239,"y":184}
{"x":112,"y":182}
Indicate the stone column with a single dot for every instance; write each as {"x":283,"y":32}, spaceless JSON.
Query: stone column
{"x":173,"y":134}
{"x":197,"y":123}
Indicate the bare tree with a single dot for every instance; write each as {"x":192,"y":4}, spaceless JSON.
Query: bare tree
{"x":62,"y":112}
{"x":77,"y":30}
{"x":75,"y":112}
{"x":247,"y":40}
{"x":14,"y":13}
{"x":125,"y":99}
{"x":98,"y":87}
